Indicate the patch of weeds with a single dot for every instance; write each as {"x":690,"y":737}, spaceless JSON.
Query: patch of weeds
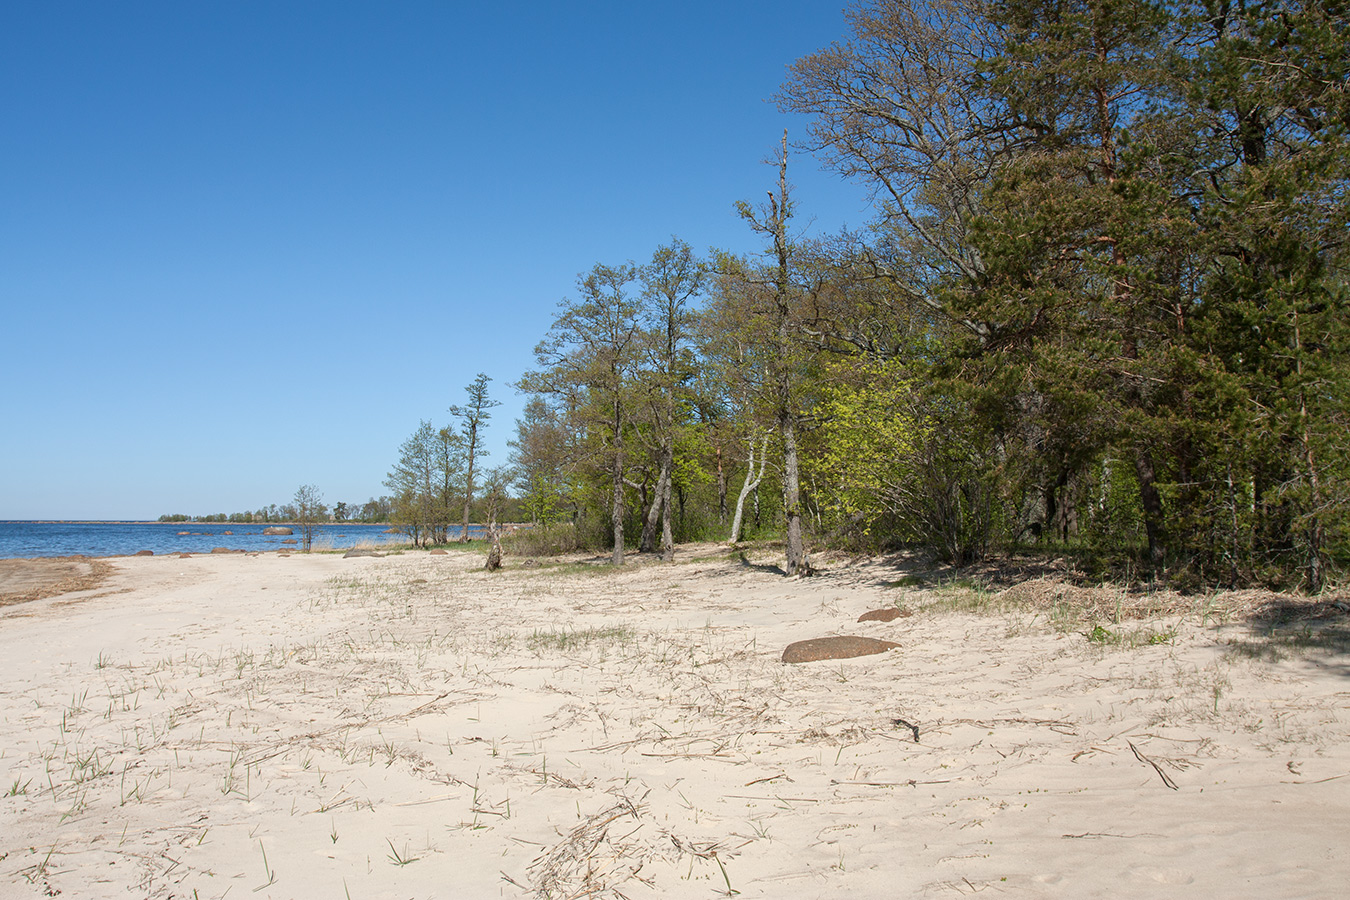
{"x":572,"y":640}
{"x":1100,"y":635}
{"x":965,"y":595}
{"x":1144,"y":637}
{"x":908,"y":581}
{"x":400,"y":859}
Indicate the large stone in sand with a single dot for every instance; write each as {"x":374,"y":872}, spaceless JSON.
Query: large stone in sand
{"x":889,"y":614}
{"x":840,"y":647}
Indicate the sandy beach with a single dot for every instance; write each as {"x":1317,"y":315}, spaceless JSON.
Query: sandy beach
{"x":412,"y":726}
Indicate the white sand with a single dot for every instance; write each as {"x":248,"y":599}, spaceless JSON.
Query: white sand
{"x":412,"y":726}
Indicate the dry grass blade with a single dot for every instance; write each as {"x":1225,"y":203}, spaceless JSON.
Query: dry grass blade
{"x":587,"y":863}
{"x":1161,"y":774}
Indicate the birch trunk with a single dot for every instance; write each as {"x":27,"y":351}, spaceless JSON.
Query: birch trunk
{"x":752,"y":481}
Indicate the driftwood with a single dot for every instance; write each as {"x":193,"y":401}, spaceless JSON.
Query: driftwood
{"x":494,"y":557}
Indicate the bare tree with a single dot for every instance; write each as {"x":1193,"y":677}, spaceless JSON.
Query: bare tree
{"x":309,"y":512}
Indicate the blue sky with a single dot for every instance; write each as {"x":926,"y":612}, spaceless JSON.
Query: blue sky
{"x":246,"y":246}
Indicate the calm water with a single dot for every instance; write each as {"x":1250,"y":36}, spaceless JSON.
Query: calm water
{"x":28,"y":539}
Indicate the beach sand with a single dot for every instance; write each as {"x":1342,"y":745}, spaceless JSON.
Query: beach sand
{"x":412,"y":726}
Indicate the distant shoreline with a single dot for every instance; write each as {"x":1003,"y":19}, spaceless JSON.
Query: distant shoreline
{"x":195,"y":522}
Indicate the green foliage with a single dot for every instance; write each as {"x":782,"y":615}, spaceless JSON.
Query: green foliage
{"x":868,"y":441}
{"x":1103,"y":308}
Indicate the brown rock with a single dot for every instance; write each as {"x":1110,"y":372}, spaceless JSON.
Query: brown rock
{"x":840,"y":647}
{"x":224,"y":550}
{"x":440,"y":552}
{"x":885,"y":615}
{"x":277,"y":529}
{"x":185,"y":556}
{"x":183,"y":532}
{"x":144,"y":553}
{"x":354,"y":552}
{"x":290,"y":541}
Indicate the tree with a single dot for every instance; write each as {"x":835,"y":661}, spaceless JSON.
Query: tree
{"x":415,"y":481}
{"x":587,"y":360}
{"x":671,"y":281}
{"x":450,"y":475}
{"x":777,"y":320}
{"x":1133,"y":217}
{"x":539,"y":457}
{"x":309,"y":512}
{"x":474,"y":417}
{"x":896,"y":107}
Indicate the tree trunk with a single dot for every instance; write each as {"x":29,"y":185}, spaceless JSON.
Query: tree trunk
{"x":660,"y":498}
{"x":667,"y":532}
{"x":752,"y":481}
{"x":494,"y":558}
{"x":647,"y":540}
{"x":721,"y":490}
{"x":616,"y":513}
{"x":1314,"y":531}
{"x":1151,"y":501}
{"x":796,"y":562}
{"x":468,"y":496}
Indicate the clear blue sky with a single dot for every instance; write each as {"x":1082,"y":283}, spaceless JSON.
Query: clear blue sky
{"x":249,"y":245}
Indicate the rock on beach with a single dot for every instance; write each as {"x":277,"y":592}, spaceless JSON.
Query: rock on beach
{"x":839,"y":647}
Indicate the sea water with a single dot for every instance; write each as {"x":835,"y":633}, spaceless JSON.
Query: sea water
{"x":30,"y":539}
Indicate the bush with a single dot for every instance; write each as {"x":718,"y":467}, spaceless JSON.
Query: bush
{"x":543,"y":540}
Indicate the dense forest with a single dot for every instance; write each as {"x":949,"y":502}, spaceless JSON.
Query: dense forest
{"x":1101,"y":308}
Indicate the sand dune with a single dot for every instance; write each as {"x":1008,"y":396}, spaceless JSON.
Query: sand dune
{"x":411,"y":726}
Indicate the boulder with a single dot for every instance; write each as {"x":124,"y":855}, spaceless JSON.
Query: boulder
{"x":144,"y":553}
{"x":224,"y":550}
{"x":889,"y":614}
{"x":277,"y":529}
{"x":354,"y":552}
{"x":840,"y":647}
{"x":290,"y":541}
{"x":439,"y":552}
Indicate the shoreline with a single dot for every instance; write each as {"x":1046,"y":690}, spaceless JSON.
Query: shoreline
{"x":305,"y":725}
{"x":106,"y":540}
